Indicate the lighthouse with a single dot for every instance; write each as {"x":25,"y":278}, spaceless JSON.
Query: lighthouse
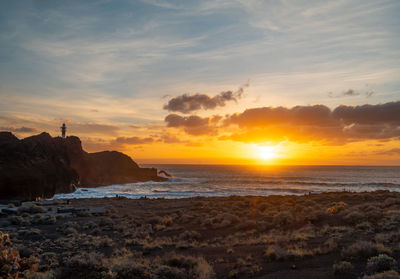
{"x":63,"y":130}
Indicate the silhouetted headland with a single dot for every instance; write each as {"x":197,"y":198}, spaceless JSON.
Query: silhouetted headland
{"x":41,"y":166}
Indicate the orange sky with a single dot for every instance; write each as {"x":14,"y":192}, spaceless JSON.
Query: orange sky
{"x":211,"y":82}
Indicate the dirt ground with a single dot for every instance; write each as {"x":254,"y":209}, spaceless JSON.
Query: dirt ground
{"x":330,"y":235}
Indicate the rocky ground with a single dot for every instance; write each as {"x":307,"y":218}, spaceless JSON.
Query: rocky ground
{"x":331,"y":235}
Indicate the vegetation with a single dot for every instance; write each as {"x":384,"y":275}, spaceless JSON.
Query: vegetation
{"x":326,"y":235}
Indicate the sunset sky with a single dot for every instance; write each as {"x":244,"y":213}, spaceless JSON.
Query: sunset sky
{"x":217,"y":82}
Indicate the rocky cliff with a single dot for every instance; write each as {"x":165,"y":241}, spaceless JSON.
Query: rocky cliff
{"x":41,"y":166}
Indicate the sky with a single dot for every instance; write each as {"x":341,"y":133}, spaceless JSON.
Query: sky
{"x":211,"y":82}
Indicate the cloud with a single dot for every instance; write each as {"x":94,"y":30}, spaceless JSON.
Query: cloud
{"x":392,"y":152}
{"x":187,"y":103}
{"x":169,"y":138}
{"x":134,"y":140}
{"x":193,"y":125}
{"x":316,"y":123}
{"x":92,"y":128}
{"x":351,"y":93}
{"x":20,"y":129}
{"x":265,"y":116}
{"x":388,"y":113}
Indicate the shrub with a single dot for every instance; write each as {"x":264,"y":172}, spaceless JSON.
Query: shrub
{"x":32,"y":209}
{"x":380,"y":263}
{"x":354,"y":217}
{"x":165,"y":271}
{"x":342,"y":268}
{"x":337,"y":207}
{"x":276,"y":253}
{"x":283,"y":218}
{"x":390,"y":201}
{"x":390,"y":274}
{"x":203,"y":269}
{"x":360,"y":249}
{"x":18,"y":220}
{"x":190,"y":235}
{"x":84,"y":265}
{"x":129,"y":270}
{"x":44,"y":220}
{"x":9,"y":259}
{"x":246,"y":225}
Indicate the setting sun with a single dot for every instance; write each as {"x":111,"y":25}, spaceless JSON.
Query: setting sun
{"x":267,"y":152}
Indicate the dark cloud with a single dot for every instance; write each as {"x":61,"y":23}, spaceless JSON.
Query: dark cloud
{"x":20,"y":129}
{"x":134,"y":140}
{"x":188,"y":103}
{"x":388,"y":113}
{"x":318,"y":122}
{"x":265,"y":116}
{"x":193,"y":125}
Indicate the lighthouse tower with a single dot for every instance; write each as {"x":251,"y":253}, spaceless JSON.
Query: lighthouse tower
{"x":63,"y":130}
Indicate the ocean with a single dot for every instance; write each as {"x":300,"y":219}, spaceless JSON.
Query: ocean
{"x":224,"y":180}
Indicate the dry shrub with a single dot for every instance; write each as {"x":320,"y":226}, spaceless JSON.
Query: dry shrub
{"x":360,"y":249}
{"x":275,"y":253}
{"x":130,"y":269}
{"x":283,"y":218}
{"x":203,"y":270}
{"x":390,"y":201}
{"x":43,"y":220}
{"x":19,"y":220}
{"x":246,"y":225}
{"x":337,"y":207}
{"x":304,"y":233}
{"x":380,"y":263}
{"x":343,"y":268}
{"x":316,"y":216}
{"x":354,"y":217}
{"x":390,"y":274}
{"x":32,"y":209}
{"x":366,"y":227}
{"x":84,"y":265}
{"x":329,"y":245}
{"x":189,"y":267}
{"x":190,"y":235}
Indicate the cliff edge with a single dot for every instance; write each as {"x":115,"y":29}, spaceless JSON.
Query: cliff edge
{"x":41,"y":166}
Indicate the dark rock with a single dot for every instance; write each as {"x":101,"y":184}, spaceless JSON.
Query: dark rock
{"x":164,"y":173}
{"x":36,"y":166}
{"x":41,"y":166}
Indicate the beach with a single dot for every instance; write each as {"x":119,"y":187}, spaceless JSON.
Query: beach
{"x":328,"y":235}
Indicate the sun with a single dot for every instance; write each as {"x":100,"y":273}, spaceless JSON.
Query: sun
{"x":267,"y":152}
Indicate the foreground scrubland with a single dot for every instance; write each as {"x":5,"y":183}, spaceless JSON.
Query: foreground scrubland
{"x":330,"y":235}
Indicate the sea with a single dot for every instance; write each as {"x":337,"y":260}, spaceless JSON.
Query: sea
{"x":226,"y":180}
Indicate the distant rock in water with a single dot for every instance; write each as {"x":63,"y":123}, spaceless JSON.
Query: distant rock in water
{"x":164,"y":173}
{"x":41,"y":166}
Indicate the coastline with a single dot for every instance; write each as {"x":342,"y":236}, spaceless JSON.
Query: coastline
{"x":308,"y":236}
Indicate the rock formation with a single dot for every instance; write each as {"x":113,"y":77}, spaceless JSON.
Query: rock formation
{"x":41,"y":166}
